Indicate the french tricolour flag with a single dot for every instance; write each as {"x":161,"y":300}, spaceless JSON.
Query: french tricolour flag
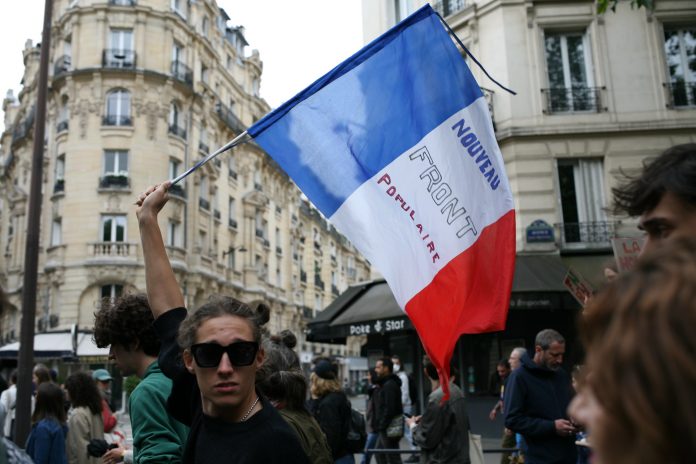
{"x":395,"y":147}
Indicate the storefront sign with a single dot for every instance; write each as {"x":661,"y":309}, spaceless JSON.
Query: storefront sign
{"x":540,"y":231}
{"x":627,"y":251}
{"x":378,"y":326}
{"x":532,"y":302}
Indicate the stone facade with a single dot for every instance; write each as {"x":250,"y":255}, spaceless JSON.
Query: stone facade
{"x":596,"y":96}
{"x":139,"y":91}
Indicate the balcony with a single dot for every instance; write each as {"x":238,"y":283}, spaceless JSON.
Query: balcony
{"x":586,"y":235}
{"x":182,"y":73}
{"x":178,"y":131}
{"x":119,"y":59}
{"x":204,"y":204}
{"x":232,"y":223}
{"x":111,"y":181}
{"x":573,"y":100}
{"x":112,"y":250}
{"x":62,"y":65}
{"x":228,"y":117}
{"x":177,"y":190}
{"x":448,"y":7}
{"x":116,"y":120}
{"x":681,"y":94}
{"x":59,"y":186}
{"x":318,"y":282}
{"x":62,"y":126}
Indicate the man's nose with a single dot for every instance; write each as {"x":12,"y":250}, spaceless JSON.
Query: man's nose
{"x":225,"y":366}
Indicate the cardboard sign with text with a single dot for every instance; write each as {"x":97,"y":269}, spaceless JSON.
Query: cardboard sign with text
{"x":578,"y":286}
{"x":626,"y":251}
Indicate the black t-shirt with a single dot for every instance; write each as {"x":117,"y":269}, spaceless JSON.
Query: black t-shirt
{"x":264,"y":438}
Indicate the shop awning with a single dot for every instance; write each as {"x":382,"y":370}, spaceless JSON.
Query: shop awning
{"x":57,"y":345}
{"x":370,"y":307}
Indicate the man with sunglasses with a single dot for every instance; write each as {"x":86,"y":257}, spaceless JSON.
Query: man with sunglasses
{"x":214,"y":387}
{"x":125,"y":326}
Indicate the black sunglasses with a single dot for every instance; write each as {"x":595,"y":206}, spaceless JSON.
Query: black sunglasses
{"x":210,"y":354}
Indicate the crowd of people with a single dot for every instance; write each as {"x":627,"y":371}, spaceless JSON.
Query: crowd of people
{"x":216,"y":386}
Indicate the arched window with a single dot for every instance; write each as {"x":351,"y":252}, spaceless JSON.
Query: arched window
{"x":63,"y":115}
{"x":118,"y":108}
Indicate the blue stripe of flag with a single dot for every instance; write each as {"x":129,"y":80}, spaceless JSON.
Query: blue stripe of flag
{"x":343,"y":129}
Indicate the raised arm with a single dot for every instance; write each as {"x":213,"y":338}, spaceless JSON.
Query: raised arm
{"x":163,"y":291}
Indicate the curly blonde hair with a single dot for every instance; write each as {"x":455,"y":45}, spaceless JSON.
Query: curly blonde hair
{"x":320,"y":387}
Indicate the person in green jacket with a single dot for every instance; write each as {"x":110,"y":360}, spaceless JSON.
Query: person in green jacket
{"x":126,"y":326}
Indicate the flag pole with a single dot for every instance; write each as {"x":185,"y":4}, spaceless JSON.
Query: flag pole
{"x":25,"y":360}
{"x":241,"y":138}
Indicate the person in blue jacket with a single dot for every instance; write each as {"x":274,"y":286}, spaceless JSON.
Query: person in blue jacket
{"x":536,"y":402}
{"x":46,"y":442}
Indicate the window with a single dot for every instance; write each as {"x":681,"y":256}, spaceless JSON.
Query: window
{"x":120,"y":53}
{"x":232,"y":167}
{"x":59,"y":185}
{"x":232,"y":213}
{"x":112,"y":291}
{"x":57,"y":232}
{"x":174,"y":236}
{"x":402,"y":9}
{"x":581,"y":184}
{"x":204,"y":73}
{"x":179,"y":7}
{"x":203,"y":241}
{"x":178,"y":53}
{"x":203,"y":143}
{"x":680,"y":53}
{"x":174,"y":166}
{"x":205,"y":26}
{"x":279,"y":279}
{"x":63,"y":115}
{"x":116,"y":163}
{"x":569,"y":73}
{"x":113,"y":228}
{"x":176,"y":121}
{"x":231,"y":260}
{"x":317,"y":302}
{"x":203,"y":194}
{"x":118,"y":108}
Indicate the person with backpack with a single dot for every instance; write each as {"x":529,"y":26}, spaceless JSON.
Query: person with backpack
{"x":331,"y":408}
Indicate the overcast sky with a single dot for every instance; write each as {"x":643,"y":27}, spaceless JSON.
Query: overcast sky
{"x":298,"y":40}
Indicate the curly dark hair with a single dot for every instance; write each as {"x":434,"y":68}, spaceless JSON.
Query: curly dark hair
{"x":83,"y":391}
{"x":673,"y":171}
{"x":256,"y":313}
{"x":126,"y":322}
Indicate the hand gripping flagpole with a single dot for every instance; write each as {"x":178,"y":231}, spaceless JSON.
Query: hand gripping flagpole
{"x":241,"y":138}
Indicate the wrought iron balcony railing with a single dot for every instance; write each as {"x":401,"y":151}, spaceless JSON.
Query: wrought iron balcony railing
{"x":178,"y":131}
{"x":573,"y":100}
{"x":118,"y":58}
{"x":177,"y":191}
{"x":229,"y":118}
{"x":448,"y":7}
{"x":62,"y":65}
{"x":114,"y":181}
{"x":117,"y":120}
{"x":681,"y":94}
{"x":586,"y":235}
{"x":182,"y":73}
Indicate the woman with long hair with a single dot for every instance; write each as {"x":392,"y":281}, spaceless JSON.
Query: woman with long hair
{"x":84,"y":418}
{"x":282,"y":381}
{"x":46,"y":443}
{"x":331,"y":408}
{"x":637,"y":396}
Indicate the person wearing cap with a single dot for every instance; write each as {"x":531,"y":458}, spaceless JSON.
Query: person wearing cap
{"x":331,"y":408}
{"x":103,"y":380}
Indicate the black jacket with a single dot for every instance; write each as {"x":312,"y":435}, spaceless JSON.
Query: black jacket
{"x":534,"y":398}
{"x":332,"y":411}
{"x":387,"y":401}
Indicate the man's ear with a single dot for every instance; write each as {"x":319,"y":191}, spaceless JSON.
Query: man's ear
{"x":188,"y":360}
